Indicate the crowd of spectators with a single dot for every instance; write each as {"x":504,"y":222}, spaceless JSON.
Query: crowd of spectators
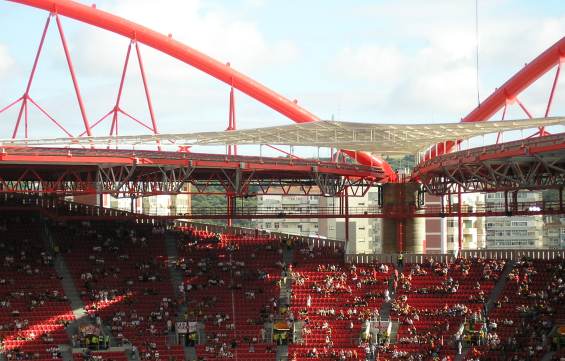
{"x":232,"y":285}
{"x":122,"y":276}
{"x":33,"y":308}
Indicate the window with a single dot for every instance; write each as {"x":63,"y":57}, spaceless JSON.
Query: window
{"x":519,"y":232}
{"x":519,"y":223}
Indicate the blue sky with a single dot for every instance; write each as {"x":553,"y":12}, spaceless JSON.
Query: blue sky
{"x":373,"y":61}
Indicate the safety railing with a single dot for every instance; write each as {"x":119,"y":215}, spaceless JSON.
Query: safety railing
{"x":276,"y":212}
{"x":62,"y":207}
{"x":508,"y":254}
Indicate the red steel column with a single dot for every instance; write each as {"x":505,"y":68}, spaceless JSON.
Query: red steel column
{"x":73,"y":76}
{"x":119,"y":96}
{"x":400,"y":222}
{"x":25,"y":97}
{"x":232,"y":148}
{"x":459,"y":221}
{"x":398,"y":236}
{"x":146,"y":88}
{"x":555,"y":80}
{"x":346,"y":211}
{"x":229,"y":220}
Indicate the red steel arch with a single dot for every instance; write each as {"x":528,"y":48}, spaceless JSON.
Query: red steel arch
{"x":509,"y":91}
{"x":165,"y":44}
{"x":520,"y":81}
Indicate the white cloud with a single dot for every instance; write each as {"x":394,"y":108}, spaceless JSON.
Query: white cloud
{"x":437,"y":77}
{"x":211,"y":30}
{"x":6,"y":60}
{"x":372,"y":63}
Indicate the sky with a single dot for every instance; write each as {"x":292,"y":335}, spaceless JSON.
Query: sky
{"x":407,"y":61}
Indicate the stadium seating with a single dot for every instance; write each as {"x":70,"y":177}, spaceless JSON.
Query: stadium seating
{"x":33,"y":309}
{"x":326,"y":292}
{"x":121,"y":274}
{"x":231,"y":284}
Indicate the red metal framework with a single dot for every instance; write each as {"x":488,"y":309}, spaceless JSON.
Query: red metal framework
{"x":534,"y":163}
{"x":508,"y":93}
{"x":129,"y":173}
{"x":173,"y":48}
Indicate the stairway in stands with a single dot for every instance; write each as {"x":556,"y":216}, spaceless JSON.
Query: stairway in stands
{"x":67,"y":281}
{"x":115,"y":351}
{"x":68,"y":284}
{"x":177,"y":281}
{"x":285,"y":295}
{"x":500,"y":285}
{"x":494,"y":295}
{"x":386,"y":307}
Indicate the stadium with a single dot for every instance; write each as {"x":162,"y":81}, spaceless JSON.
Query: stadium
{"x":126,"y":238}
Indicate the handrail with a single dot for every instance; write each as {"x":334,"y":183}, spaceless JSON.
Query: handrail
{"x":508,"y":254}
{"x":494,"y":209}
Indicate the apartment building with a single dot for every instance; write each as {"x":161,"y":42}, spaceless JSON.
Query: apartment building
{"x":364,"y":233}
{"x":516,"y":231}
{"x":554,"y":232}
{"x":473,"y":228}
{"x":299,"y":226}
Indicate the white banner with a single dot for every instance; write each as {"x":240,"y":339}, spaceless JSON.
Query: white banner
{"x":192,"y":326}
{"x":186,"y":327}
{"x":181,"y":327}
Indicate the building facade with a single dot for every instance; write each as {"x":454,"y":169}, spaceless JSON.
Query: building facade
{"x":364,"y":233}
{"x":298,"y":226}
{"x":517,"y":231}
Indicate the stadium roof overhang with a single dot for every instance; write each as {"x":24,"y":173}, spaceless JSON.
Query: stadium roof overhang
{"x":381,"y":138}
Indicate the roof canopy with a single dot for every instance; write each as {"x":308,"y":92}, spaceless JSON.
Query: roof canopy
{"x":381,"y":138}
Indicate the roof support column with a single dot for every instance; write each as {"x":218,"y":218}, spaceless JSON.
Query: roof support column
{"x":346,"y":213}
{"x":459,"y":222}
